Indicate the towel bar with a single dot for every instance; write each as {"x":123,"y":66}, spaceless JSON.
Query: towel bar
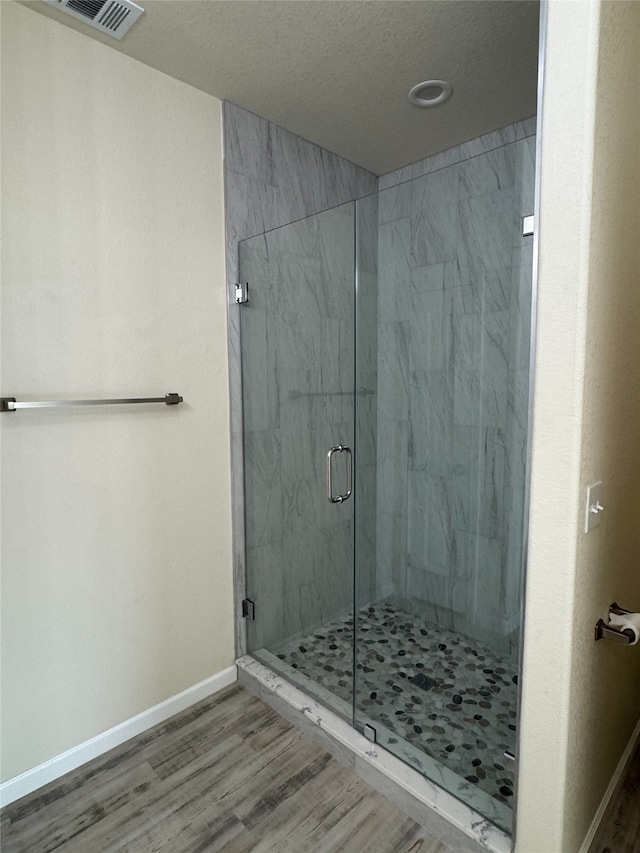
{"x":10,"y":404}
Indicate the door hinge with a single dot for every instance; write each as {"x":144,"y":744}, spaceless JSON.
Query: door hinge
{"x":241,"y":292}
{"x":528,"y":225}
{"x":248,"y":609}
{"x":370,"y":733}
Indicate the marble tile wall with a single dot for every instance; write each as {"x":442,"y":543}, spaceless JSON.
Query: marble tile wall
{"x":454,"y":313}
{"x":297,"y":338}
{"x":370,"y":585}
{"x":480,"y":145}
{"x":272,"y":177}
{"x":443,"y":383}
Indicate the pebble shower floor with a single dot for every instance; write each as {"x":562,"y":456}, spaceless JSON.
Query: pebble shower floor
{"x":466,"y":721}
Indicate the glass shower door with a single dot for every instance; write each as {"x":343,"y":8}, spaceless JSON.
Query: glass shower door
{"x":438,"y":599}
{"x":406,"y":340}
{"x":298,"y":377}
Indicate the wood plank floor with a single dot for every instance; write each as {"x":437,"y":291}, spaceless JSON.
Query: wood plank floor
{"x":620,"y":830}
{"x":227,"y":774}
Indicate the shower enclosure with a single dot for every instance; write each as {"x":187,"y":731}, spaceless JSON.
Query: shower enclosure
{"x":385,"y":370}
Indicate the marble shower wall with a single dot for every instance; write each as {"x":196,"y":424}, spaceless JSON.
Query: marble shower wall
{"x":298,"y":400}
{"x":453,"y":377}
{"x":272,"y":178}
{"x":370,"y":584}
{"x":447,"y":532}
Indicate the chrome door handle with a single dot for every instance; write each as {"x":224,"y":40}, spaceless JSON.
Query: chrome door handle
{"x":338,"y":499}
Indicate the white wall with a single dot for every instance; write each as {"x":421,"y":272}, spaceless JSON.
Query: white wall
{"x":116,"y":548}
{"x":581,"y":699}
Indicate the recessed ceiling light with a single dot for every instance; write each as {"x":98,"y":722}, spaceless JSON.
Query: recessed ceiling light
{"x":430,"y":93}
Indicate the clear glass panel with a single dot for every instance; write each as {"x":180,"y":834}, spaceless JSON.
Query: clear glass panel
{"x":297,"y":374}
{"x":433,"y":361}
{"x":438,"y":603}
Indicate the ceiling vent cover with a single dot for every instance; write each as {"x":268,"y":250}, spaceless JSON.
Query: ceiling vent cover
{"x":113,"y":17}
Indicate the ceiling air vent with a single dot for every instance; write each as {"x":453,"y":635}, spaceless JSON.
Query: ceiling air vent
{"x":113,"y":17}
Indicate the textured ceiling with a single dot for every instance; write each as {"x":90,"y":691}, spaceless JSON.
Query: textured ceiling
{"x":337,"y":72}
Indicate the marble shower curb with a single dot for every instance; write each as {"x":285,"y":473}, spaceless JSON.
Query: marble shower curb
{"x":443,"y":815}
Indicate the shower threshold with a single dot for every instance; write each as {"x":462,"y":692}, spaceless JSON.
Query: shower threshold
{"x":430,"y":804}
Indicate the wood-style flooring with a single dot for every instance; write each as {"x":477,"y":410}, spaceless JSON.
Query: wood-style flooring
{"x":227,"y":774}
{"x":620,"y":830}
{"x":231,"y":774}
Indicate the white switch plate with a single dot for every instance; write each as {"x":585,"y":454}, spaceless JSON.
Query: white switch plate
{"x":593,"y":508}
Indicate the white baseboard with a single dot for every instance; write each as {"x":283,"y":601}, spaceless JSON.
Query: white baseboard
{"x":55,"y":767}
{"x":611,"y":789}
